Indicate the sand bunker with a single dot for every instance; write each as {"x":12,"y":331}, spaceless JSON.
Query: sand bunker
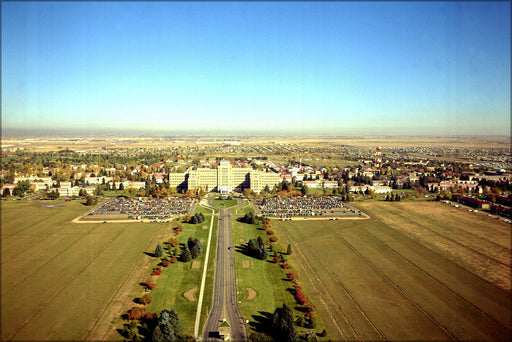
{"x":252,"y":293}
{"x":196,"y":264}
{"x":190,"y":294}
{"x":247,"y":263}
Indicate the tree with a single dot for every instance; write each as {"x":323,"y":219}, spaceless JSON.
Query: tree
{"x":121,"y":186}
{"x":289,"y":249}
{"x":283,"y":325}
{"x":249,"y":218}
{"x":6,"y":193}
{"x":168,"y":327}
{"x":22,"y":187}
{"x":159,"y":251}
{"x":89,"y":200}
{"x":186,"y":256}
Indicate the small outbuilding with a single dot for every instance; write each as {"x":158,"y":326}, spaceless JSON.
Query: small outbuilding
{"x":224,"y":330}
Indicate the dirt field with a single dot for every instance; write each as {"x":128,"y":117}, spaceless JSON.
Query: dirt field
{"x":417,"y":271}
{"x":65,"y":281}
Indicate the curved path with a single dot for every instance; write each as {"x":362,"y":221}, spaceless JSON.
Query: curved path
{"x":224,"y":304}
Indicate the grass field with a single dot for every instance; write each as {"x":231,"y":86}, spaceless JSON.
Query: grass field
{"x":180,"y":277}
{"x":415,"y":271}
{"x":58,"y":277}
{"x":224,"y":203}
{"x":266,"y":278}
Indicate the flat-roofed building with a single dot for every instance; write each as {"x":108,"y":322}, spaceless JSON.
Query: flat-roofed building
{"x":226,"y":178}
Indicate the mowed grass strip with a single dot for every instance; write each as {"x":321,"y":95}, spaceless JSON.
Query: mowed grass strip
{"x":94,"y":286}
{"x":180,"y":277}
{"x":481,"y":293}
{"x":461,"y":231}
{"x":20,"y":230}
{"x":431,"y":282}
{"x":54,"y":272}
{"x":437,"y":300}
{"x":469,"y":251}
{"x":343,"y":317}
{"x":392,"y":313}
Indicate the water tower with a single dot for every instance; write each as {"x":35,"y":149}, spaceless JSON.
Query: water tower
{"x":378,"y":157}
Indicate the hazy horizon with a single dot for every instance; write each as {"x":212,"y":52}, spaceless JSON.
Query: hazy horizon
{"x":19,"y":133}
{"x":257,"y":68}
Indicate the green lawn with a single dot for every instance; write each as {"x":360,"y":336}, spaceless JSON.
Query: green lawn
{"x":265,"y":277}
{"x":204,"y":210}
{"x":180,"y":277}
{"x":224,"y":203}
{"x":244,"y":209}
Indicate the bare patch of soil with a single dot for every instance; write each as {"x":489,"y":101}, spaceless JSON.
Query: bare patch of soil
{"x":190,"y":294}
{"x":252,"y":293}
{"x":196,"y":264}
{"x":204,"y":227}
{"x":247,"y":263}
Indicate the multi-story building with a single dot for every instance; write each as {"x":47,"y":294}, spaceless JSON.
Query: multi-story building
{"x":224,"y":179}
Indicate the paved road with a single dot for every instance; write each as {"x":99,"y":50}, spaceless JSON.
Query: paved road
{"x":225,"y":305}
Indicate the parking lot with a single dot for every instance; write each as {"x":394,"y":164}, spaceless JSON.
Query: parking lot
{"x":141,"y":208}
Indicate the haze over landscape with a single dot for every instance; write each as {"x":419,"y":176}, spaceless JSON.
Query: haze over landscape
{"x":329,"y":68}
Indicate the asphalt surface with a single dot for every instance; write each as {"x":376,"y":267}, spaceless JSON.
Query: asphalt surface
{"x":225,"y":305}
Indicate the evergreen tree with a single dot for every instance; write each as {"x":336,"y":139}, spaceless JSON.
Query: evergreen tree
{"x":283,"y":325}
{"x":186,"y":256}
{"x":263,"y":253}
{"x":158,"y":251}
{"x":157,"y":335}
{"x":289,"y":249}
{"x":121,"y":186}
{"x":175,"y":323}
{"x":260,"y":241}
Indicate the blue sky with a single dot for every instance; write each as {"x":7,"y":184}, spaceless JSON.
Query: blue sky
{"x":334,"y":68}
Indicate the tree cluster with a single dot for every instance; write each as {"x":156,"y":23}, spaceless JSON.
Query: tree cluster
{"x":283,"y":325}
{"x":90,"y":201}
{"x":167,"y":327}
{"x":257,"y":248}
{"x":195,"y":246}
{"x":21,"y":188}
{"x":393,"y":197}
{"x":197,"y":218}
{"x":249,"y":218}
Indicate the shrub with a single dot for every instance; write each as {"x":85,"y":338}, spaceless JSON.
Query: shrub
{"x":173,"y":242}
{"x":291,"y":276}
{"x":166,"y":263}
{"x":148,"y":316}
{"x":270,"y":232}
{"x":173,"y":260}
{"x":301,"y":297}
{"x":150,"y":284}
{"x":276,"y":259}
{"x":273,"y":239}
{"x":135,"y":313}
{"x":157,"y":272}
{"x":285,"y":266}
{"x":145,"y":299}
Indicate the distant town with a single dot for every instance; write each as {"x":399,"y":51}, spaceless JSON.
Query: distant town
{"x":170,"y":166}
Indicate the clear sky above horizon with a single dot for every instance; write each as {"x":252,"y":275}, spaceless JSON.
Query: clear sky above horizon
{"x":334,"y":68}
